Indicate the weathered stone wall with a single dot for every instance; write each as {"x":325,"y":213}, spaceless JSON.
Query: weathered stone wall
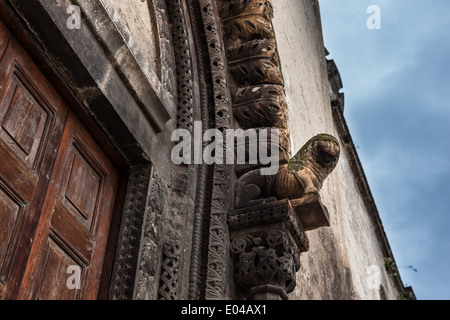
{"x":165,"y":234}
{"x":339,"y":264}
{"x":136,"y":22}
{"x":142,"y":25}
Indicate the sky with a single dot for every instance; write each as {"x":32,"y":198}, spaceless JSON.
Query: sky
{"x":397,"y":90}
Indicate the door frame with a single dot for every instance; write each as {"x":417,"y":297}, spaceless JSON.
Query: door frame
{"x":132,"y":162}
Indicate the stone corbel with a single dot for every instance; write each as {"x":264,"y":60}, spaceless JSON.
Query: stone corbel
{"x":272,"y":214}
{"x":267,"y":241}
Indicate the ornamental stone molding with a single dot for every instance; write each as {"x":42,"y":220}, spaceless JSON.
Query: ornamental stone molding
{"x":256,"y":80}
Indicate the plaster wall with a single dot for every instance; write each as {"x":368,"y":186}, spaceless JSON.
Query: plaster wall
{"x":345,"y":259}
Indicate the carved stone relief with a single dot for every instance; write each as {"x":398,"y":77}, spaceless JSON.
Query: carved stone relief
{"x":267,"y":240}
{"x":244,"y":20}
{"x":254,"y":68}
{"x":127,"y":251}
{"x":264,"y":267}
{"x":254,"y":63}
{"x":159,"y":263}
{"x":217,"y":251}
{"x":303,"y":174}
{"x":267,"y":260}
{"x":169,"y":271}
{"x":183,"y":63}
{"x":148,"y":269}
{"x":261,"y":106}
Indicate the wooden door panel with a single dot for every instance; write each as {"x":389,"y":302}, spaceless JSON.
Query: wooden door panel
{"x":54,"y":272}
{"x":82,"y":189}
{"x":57,"y":188}
{"x":10,"y":211}
{"x":24,"y":121}
{"x":76,"y":218}
{"x":66,"y":227}
{"x":16,"y":174}
{"x":32,"y":118}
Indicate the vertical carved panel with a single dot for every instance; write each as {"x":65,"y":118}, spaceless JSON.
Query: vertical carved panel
{"x":183,"y":63}
{"x":169,"y":272}
{"x":148,"y":269}
{"x":218,"y":234}
{"x":127,"y":250}
{"x":160,"y":253}
{"x":168,"y":63}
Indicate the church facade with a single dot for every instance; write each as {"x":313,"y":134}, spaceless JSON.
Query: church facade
{"x":116,"y":119}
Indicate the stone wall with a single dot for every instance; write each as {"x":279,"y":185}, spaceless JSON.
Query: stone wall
{"x":165,"y":237}
{"x":345,"y":258}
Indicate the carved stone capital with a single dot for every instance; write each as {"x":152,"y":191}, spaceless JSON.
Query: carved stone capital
{"x":266,"y":243}
{"x":265,"y":261}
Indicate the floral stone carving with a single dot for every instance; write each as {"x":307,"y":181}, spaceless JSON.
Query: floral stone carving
{"x":267,"y":260}
{"x":266,"y":244}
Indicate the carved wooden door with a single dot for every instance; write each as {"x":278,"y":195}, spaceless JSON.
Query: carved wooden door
{"x":57,"y":189}
{"x":73,"y":230}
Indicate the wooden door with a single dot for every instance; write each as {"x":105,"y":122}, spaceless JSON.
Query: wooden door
{"x":73,"y":232}
{"x":57,"y":189}
{"x":32,"y":119}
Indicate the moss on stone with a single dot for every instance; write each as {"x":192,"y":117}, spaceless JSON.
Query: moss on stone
{"x":300,"y":160}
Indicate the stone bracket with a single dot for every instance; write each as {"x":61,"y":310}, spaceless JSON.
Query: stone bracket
{"x":275,"y":215}
{"x":267,"y":240}
{"x":311,"y":212}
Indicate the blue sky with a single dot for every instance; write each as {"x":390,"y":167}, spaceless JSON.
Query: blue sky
{"x":397,"y":91}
